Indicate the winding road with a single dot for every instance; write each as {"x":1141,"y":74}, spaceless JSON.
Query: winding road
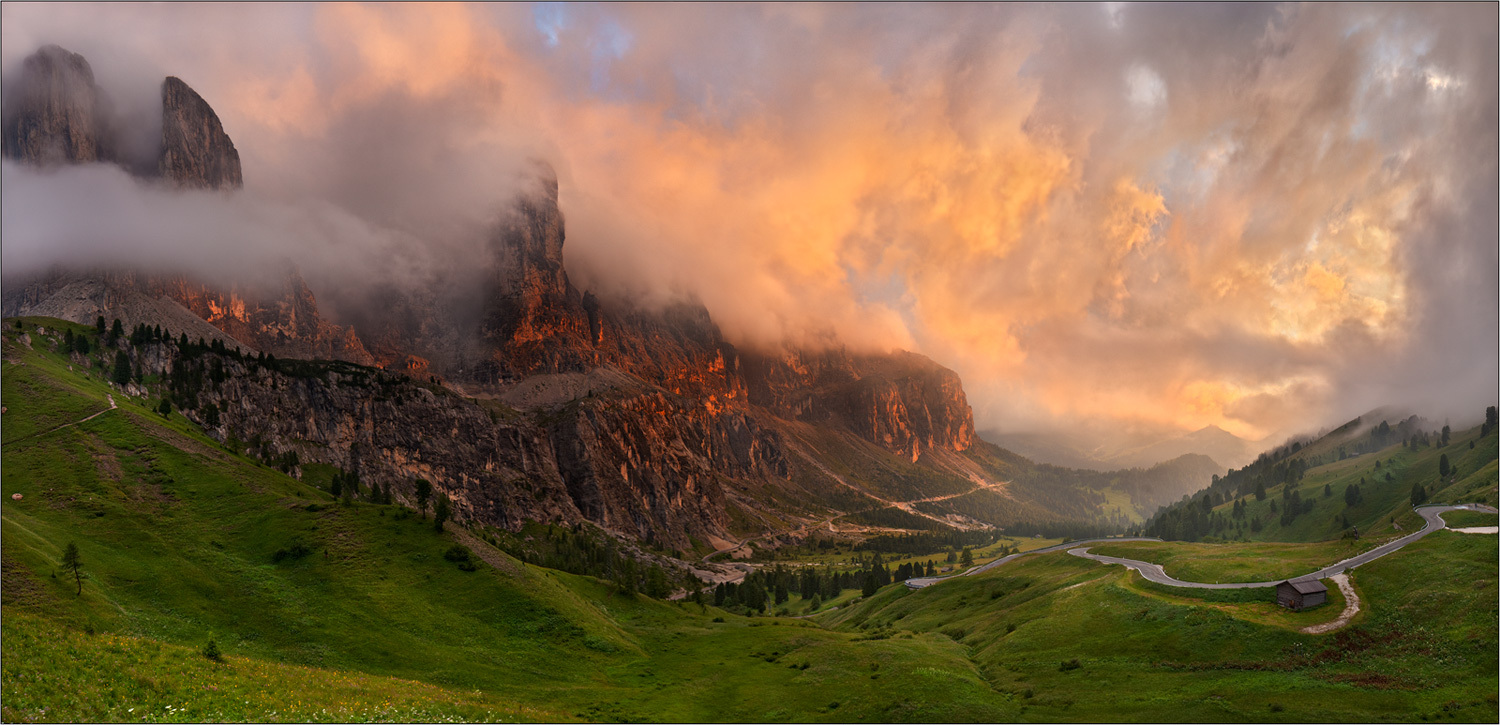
{"x":1153,"y":572}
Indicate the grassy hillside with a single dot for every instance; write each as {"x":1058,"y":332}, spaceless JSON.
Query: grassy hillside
{"x":1065,"y":638}
{"x":333,"y":612}
{"x":360,"y":614}
{"x":1327,"y":508}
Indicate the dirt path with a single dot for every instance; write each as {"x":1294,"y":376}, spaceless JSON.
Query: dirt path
{"x":69,"y":425}
{"x":1351,"y":607}
{"x":907,"y":506}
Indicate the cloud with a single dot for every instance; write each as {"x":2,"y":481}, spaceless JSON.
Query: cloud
{"x":1262,"y":217}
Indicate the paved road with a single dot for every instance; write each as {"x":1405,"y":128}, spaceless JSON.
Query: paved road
{"x":1154,"y":572}
{"x":920,"y":582}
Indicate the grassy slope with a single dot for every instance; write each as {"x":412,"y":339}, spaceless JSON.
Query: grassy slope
{"x":1383,"y":499}
{"x":1240,"y":562}
{"x":1146,"y":656}
{"x":1460,"y":519}
{"x":177,"y":536}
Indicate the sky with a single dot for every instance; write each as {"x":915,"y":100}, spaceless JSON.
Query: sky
{"x":1111,"y":217}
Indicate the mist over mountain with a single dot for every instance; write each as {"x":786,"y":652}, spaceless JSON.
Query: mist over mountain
{"x":1113,"y":263}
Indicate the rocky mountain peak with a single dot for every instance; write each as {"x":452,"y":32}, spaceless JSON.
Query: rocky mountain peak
{"x":54,"y":111}
{"x":195,"y":151}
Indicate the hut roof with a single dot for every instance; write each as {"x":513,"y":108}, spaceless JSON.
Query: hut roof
{"x":1307,"y":586}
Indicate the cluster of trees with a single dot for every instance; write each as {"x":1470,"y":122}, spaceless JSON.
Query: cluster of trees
{"x":1294,"y":506}
{"x":894,"y":518}
{"x":774,"y":585}
{"x":75,"y":343}
{"x":143,"y":334}
{"x":582,"y":550}
{"x":927,"y":541}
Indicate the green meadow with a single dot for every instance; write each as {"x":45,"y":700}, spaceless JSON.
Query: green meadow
{"x":330,"y":612}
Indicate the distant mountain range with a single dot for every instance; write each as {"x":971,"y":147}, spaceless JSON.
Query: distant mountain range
{"x":1226,"y":449}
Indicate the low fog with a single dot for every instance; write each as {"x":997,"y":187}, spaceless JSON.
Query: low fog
{"x":1108,"y":217}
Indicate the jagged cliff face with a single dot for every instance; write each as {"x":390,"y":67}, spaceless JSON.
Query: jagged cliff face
{"x":635,"y":419}
{"x":642,"y":464}
{"x":902,"y":402}
{"x":287,"y":326}
{"x":536,"y":322}
{"x":54,"y":113}
{"x":195,"y":151}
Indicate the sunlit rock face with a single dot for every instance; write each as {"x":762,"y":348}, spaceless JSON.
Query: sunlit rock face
{"x":645,"y":421}
{"x":903,"y":402}
{"x":195,"y":151}
{"x":54,"y":112}
{"x":286,"y":325}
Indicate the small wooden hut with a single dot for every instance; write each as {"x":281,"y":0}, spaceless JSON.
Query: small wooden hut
{"x":1301,"y":594}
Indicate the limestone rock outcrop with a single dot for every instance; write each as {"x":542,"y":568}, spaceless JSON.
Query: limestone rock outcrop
{"x":54,"y":112}
{"x":195,"y":151}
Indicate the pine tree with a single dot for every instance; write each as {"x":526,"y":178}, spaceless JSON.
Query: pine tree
{"x":122,"y":368}
{"x":99,"y":325}
{"x":1443,"y":467}
{"x":72,"y":561}
{"x":440,"y":511}
{"x":656,"y":583}
{"x":424,"y":492}
{"x":625,"y":576}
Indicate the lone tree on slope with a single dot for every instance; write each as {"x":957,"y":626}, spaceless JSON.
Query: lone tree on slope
{"x":440,"y":511}
{"x":72,"y":562}
{"x":424,"y":492}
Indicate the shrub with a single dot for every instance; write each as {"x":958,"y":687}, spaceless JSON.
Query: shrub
{"x":719,"y":620}
{"x":296,"y":551}
{"x":1277,"y":707}
{"x":211,"y":651}
{"x":1068,"y":665}
{"x":461,"y":556}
